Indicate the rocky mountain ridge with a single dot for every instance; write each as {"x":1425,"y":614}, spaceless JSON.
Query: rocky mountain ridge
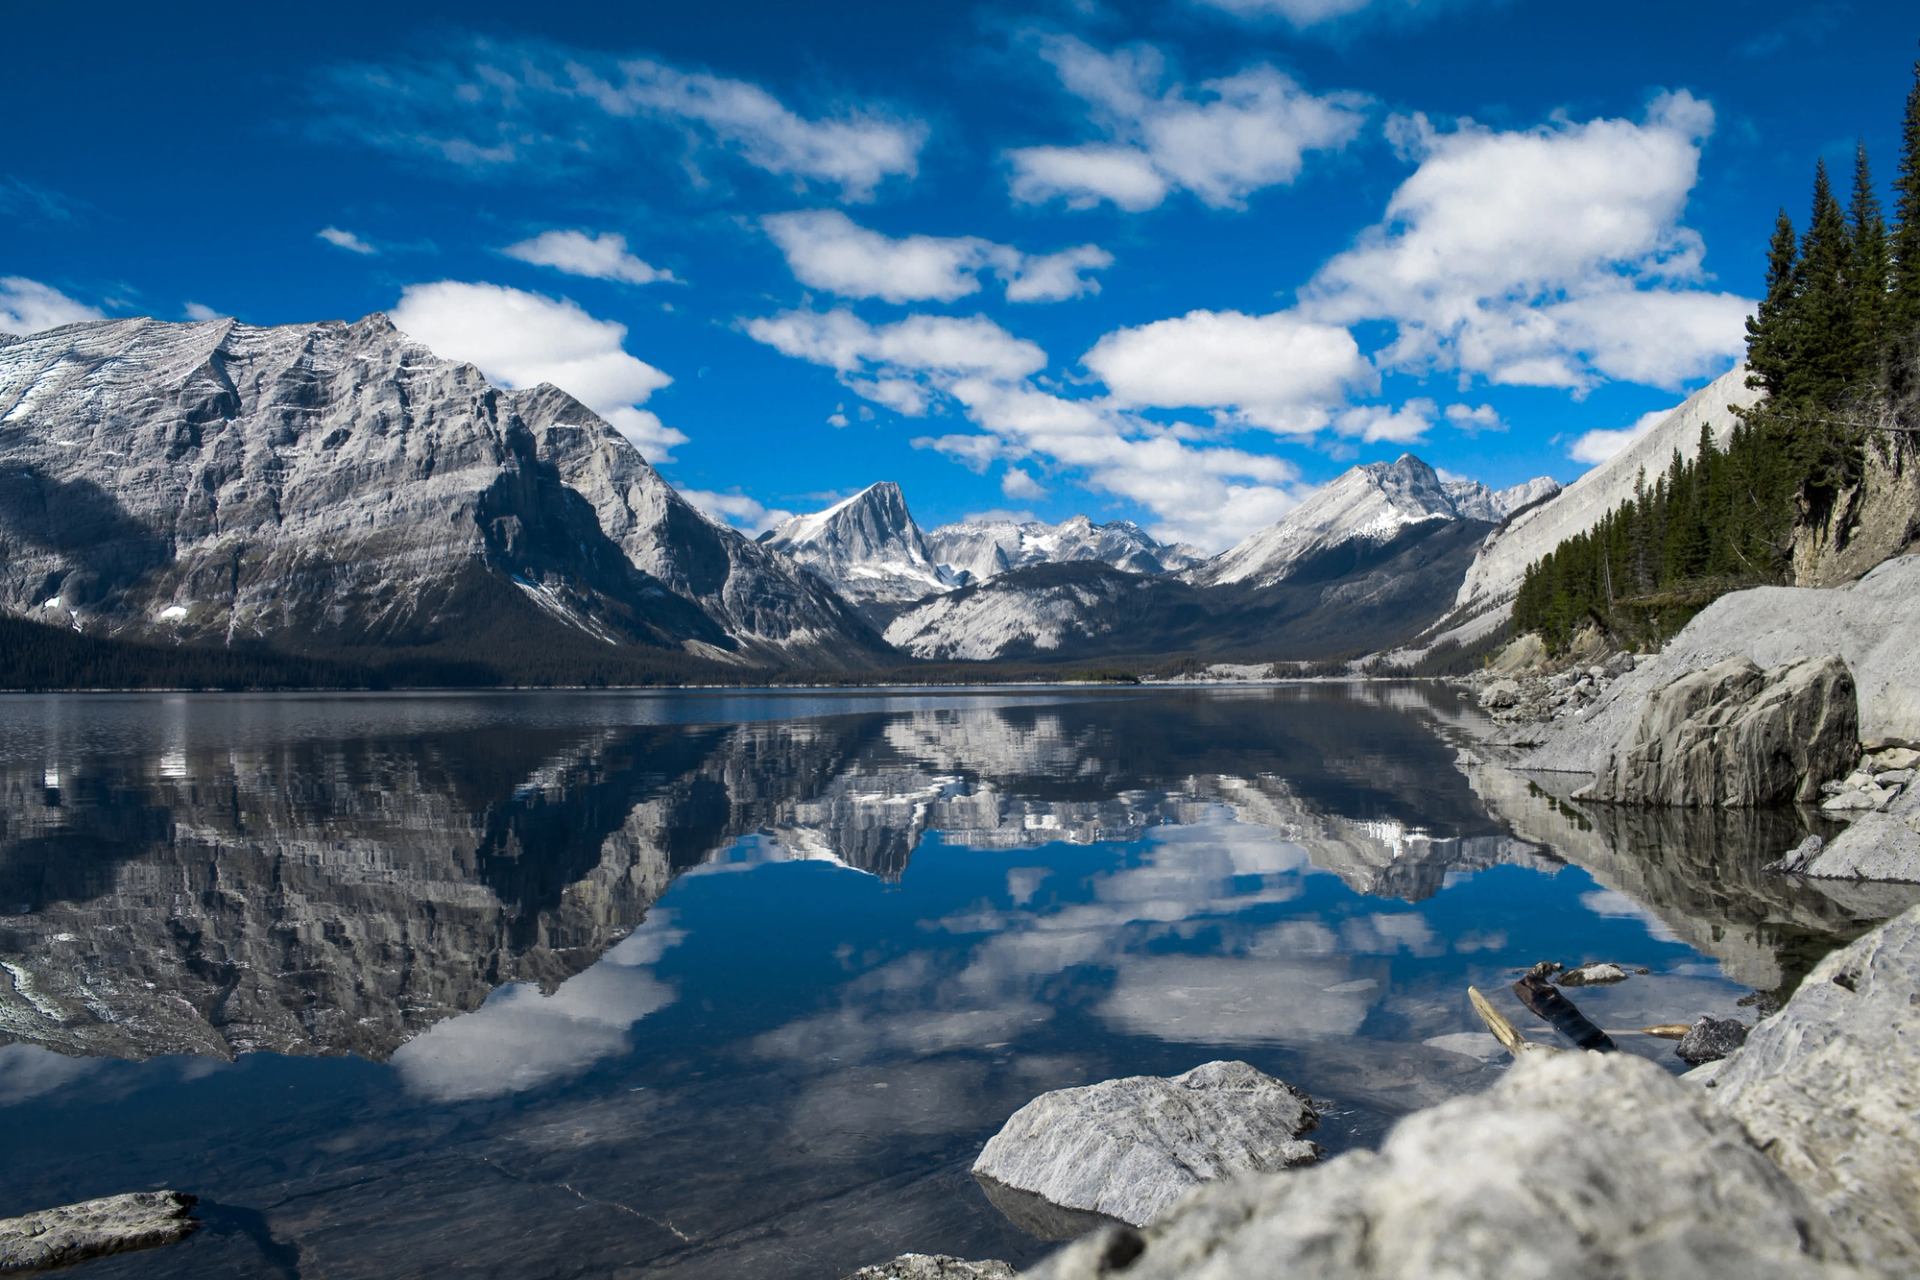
{"x":338,"y":487}
{"x":982,"y":549}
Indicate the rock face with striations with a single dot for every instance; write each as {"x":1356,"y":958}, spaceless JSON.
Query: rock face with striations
{"x":1577,"y":1166}
{"x":1735,"y":735}
{"x":337,"y":486}
{"x":1129,"y":1148}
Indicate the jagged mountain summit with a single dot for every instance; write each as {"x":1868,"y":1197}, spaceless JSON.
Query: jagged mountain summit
{"x":1369,"y":505}
{"x":338,"y":488}
{"x":867,"y":546}
{"x":981,"y":549}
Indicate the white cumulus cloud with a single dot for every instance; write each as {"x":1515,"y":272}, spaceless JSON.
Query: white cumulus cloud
{"x":27,"y":306}
{"x":737,"y":509}
{"x":341,"y":239}
{"x":828,"y":250}
{"x":1221,"y":140}
{"x":521,"y":339}
{"x":599,"y":257}
{"x":1601,"y":444}
{"x":1278,"y":371}
{"x":1553,"y":256}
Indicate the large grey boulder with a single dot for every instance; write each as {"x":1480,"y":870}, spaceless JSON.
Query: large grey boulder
{"x":1735,"y":735}
{"x":1829,"y":1087}
{"x":93,"y":1229}
{"x":1129,"y":1148}
{"x":934,"y":1266}
{"x":1575,"y":1166}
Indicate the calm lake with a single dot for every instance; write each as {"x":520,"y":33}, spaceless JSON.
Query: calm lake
{"x":723,"y":984}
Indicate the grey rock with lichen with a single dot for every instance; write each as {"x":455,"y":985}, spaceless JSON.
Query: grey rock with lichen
{"x":93,"y":1229}
{"x":1735,"y":735}
{"x":1576,"y":1166}
{"x":1128,"y":1148}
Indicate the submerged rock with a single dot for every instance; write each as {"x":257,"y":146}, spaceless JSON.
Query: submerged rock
{"x":1593,"y":975}
{"x":1711,"y":1039}
{"x":94,"y":1229}
{"x":1829,"y":1087}
{"x":1129,"y":1148}
{"x":1735,"y":735}
{"x":1576,"y":1166}
{"x":934,"y":1266}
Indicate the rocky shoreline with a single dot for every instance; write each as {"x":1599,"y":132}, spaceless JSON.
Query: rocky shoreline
{"x":1793,"y":1151}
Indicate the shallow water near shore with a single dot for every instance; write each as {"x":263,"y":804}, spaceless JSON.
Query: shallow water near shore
{"x":734,"y":984}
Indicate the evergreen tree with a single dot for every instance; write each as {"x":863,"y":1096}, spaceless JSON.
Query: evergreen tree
{"x":1822,"y":328}
{"x":1867,"y":269}
{"x":1906,"y":212}
{"x":1769,"y":349}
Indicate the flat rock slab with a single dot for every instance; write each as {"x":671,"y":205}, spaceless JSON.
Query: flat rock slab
{"x":93,"y":1229}
{"x":1129,"y":1148}
{"x":934,"y":1266}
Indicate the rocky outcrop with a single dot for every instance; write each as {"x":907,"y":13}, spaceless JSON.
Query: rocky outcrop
{"x":1576,"y":1166}
{"x":93,"y":1229}
{"x":1734,"y":735}
{"x":1867,"y":624}
{"x":1829,"y":1088}
{"x":1881,"y":805}
{"x":1129,"y":1148}
{"x":934,"y":1266}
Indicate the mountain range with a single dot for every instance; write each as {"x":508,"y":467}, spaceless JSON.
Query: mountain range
{"x":338,"y":490}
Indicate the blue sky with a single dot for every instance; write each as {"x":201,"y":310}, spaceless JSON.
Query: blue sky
{"x":1176,"y":262}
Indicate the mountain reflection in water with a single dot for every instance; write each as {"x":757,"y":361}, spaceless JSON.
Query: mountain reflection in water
{"x":737,"y":984}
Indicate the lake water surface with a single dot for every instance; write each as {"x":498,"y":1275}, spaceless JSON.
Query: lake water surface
{"x":703,"y":984}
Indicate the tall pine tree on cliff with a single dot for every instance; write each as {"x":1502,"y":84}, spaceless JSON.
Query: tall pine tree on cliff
{"x":1906,"y":214}
{"x":1867,"y":269}
{"x":1822,"y":327}
{"x":1769,"y":337}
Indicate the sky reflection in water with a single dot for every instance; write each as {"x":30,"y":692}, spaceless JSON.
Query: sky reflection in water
{"x":737,"y":984}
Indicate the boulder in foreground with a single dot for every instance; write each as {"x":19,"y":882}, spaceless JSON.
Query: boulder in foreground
{"x":1829,"y":1087}
{"x":1735,"y":735}
{"x":1129,"y":1148}
{"x":1575,"y":1165}
{"x":94,"y":1229}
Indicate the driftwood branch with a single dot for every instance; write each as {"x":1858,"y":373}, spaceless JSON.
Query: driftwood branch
{"x":1510,"y":1039}
{"x":1561,"y":1014}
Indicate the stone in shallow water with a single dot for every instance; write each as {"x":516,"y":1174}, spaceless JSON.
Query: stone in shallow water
{"x":934,"y":1266}
{"x":1593,"y":975}
{"x":1577,"y":1166}
{"x":93,"y":1229}
{"x":1711,"y":1039}
{"x":1129,"y":1148}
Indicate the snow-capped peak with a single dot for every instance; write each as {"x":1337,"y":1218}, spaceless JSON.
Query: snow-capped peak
{"x":982,"y":549}
{"x":867,"y":546}
{"x":1376,"y":502}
